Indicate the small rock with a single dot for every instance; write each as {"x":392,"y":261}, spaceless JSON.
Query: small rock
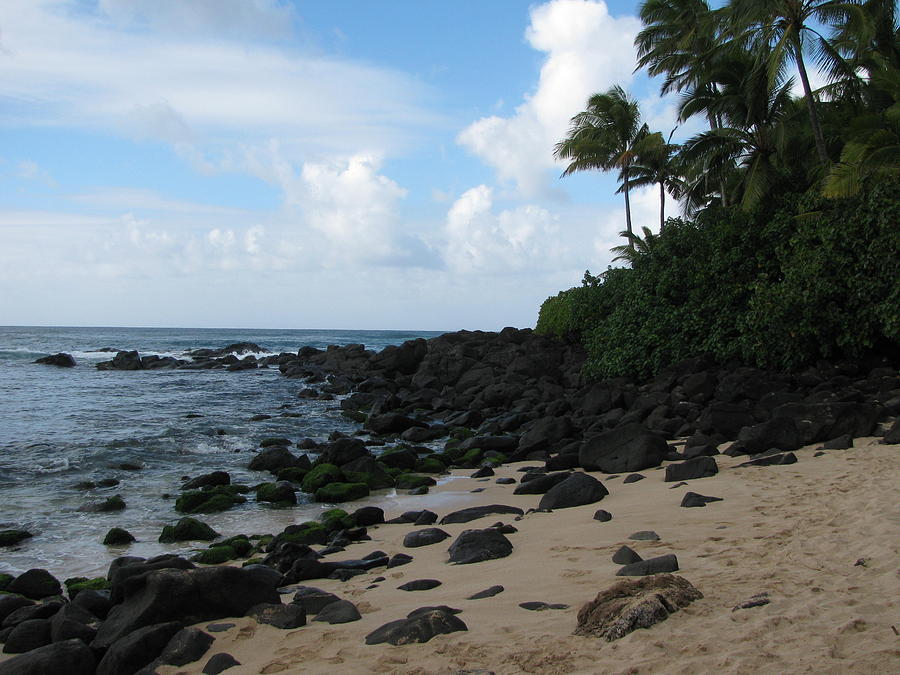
{"x":342,"y":611}
{"x":426,"y":537}
{"x":658,"y":565}
{"x":633,"y":478}
{"x":419,"y":585}
{"x":603,"y":516}
{"x":537,"y":606}
{"x":644,"y":535}
{"x":219,"y":662}
{"x":486,"y":593}
{"x":291,"y":615}
{"x":626,"y":556}
{"x":479,"y":545}
{"x":757,"y":600}
{"x":692,"y":499}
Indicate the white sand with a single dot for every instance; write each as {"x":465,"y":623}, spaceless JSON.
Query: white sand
{"x":792,"y":531}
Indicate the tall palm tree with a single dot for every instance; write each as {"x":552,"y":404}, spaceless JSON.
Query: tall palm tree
{"x":656,"y":165}
{"x":784,"y":26}
{"x":680,"y":41}
{"x":603,"y":137}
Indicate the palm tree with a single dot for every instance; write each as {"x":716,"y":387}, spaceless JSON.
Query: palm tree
{"x":656,"y":165}
{"x":637,"y":247}
{"x":603,"y":137}
{"x":677,"y":36}
{"x":753,"y":134}
{"x":783,"y":25}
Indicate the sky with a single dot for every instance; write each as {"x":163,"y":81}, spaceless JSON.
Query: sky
{"x":381,"y":164}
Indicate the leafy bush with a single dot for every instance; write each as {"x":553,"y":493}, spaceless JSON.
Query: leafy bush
{"x":798,"y":280}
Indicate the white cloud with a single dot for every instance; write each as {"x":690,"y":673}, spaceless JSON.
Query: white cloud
{"x":141,"y":199}
{"x":588,"y":50}
{"x":63,"y":65}
{"x":481,"y":240}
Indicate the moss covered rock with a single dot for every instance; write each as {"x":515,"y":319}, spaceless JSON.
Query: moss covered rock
{"x":215,"y":555}
{"x":281,"y":492}
{"x":400,"y":457}
{"x":5,"y":580}
{"x":430,"y":465}
{"x":336,"y":519}
{"x":409,"y":481}
{"x":187,"y":529}
{"x":118,"y":536}
{"x":10,"y":537}
{"x":471,"y":458}
{"x":321,"y":475}
{"x":75,"y":585}
{"x":219,"y":498}
{"x":334,"y":493}
{"x":307,"y":533}
{"x":294,"y":474}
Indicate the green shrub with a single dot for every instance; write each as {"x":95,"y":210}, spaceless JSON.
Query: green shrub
{"x":798,"y":280}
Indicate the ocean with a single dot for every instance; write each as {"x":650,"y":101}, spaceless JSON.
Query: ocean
{"x":61,"y":427}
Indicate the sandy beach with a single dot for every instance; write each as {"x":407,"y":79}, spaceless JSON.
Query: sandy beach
{"x":821,"y":537}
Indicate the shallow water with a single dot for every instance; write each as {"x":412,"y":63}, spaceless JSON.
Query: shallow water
{"x":61,"y":426}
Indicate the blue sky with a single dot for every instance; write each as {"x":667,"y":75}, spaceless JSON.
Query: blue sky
{"x":266,"y":163}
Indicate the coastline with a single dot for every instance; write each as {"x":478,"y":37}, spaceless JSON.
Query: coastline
{"x":815,"y":529}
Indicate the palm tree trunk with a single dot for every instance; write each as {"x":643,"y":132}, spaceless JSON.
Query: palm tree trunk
{"x":662,"y":205}
{"x":628,"y":213}
{"x":716,"y":123}
{"x":811,"y":104}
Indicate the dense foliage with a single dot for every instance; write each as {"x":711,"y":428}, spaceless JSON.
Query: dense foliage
{"x":789,"y":247}
{"x":778,"y":289}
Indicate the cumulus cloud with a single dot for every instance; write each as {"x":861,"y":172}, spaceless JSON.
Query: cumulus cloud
{"x":481,"y":239}
{"x":588,"y":50}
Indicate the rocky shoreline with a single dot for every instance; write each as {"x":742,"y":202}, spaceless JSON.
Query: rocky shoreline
{"x":483,"y":403}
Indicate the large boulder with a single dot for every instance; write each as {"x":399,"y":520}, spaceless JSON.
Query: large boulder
{"x":726,"y":419}
{"x":576,"y":490}
{"x":420,"y":628}
{"x":819,"y":422}
{"x":68,"y":657}
{"x":27,"y":635}
{"x":61,"y":360}
{"x":137,"y":649}
{"x":36,"y":584}
{"x":343,"y":450}
{"x":391,"y":423}
{"x":699,"y":467}
{"x":632,"y":604}
{"x":188,"y":596}
{"x":780,"y":433}
{"x":474,"y":546}
{"x":540,"y":485}
{"x":628,"y":448}
{"x":275,"y":458}
{"x":543,"y":433}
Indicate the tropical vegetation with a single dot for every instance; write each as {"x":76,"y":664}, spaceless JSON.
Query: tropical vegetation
{"x":787,"y":248}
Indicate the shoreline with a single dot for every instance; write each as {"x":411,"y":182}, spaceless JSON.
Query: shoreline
{"x":496,"y":403}
{"x":795,"y":532}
